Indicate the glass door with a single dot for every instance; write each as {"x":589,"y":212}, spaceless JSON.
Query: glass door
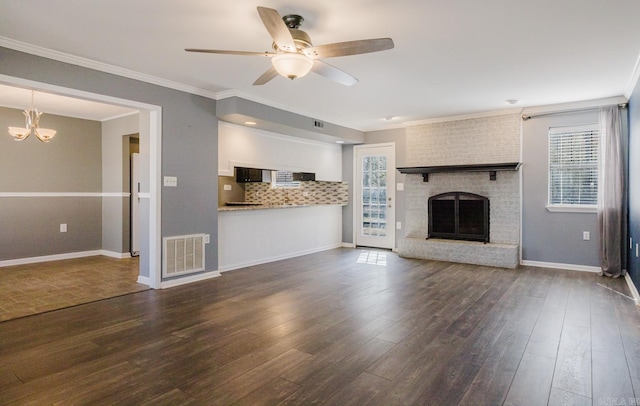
{"x":375,"y":195}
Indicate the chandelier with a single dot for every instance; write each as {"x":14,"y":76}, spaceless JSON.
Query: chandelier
{"x":32,"y":125}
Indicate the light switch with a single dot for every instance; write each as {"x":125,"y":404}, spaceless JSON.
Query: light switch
{"x":586,"y":235}
{"x":207,"y":238}
{"x":227,"y":187}
{"x":63,"y":228}
{"x":170,"y":181}
{"x":400,"y":186}
{"x":398,"y":225}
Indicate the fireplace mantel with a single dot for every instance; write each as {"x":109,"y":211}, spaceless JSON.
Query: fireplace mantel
{"x":491,"y":168}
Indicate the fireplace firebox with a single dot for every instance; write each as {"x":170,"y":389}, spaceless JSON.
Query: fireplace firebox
{"x":459,"y":216}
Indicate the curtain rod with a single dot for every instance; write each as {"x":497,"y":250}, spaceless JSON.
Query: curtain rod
{"x":526,"y":117}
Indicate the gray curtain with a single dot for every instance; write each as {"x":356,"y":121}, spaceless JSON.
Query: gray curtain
{"x":611,"y":202}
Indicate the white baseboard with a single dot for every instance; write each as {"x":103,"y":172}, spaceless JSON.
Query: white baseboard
{"x":188,"y":279}
{"x":632,"y":288}
{"x":231,"y":267}
{"x":145,"y":280}
{"x":46,"y":258}
{"x":348,"y":245}
{"x":113,"y":254}
{"x":554,"y":265}
{"x":59,"y":257}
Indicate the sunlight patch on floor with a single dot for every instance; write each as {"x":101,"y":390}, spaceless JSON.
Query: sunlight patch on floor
{"x":372,"y":258}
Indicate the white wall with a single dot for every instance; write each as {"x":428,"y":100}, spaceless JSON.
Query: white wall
{"x":254,"y":148}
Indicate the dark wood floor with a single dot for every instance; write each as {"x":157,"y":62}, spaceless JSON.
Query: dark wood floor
{"x":341,"y":327}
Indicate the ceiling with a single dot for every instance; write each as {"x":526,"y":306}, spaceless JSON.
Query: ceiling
{"x":451,"y":57}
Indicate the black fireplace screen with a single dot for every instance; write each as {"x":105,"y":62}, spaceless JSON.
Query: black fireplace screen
{"x":459,"y":216}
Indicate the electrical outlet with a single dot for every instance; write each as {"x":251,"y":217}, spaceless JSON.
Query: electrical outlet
{"x":63,"y":228}
{"x":227,"y":187}
{"x":170,"y":181}
{"x":398,"y":225}
{"x":305,"y":194}
{"x":207,"y":238}
{"x":586,"y":235}
{"x":400,"y":186}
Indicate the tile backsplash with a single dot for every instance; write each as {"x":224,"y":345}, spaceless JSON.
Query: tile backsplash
{"x":316,"y":192}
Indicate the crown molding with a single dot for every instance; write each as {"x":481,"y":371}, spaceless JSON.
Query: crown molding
{"x":573,"y":106}
{"x":102,"y":67}
{"x":633,"y":82}
{"x":483,"y":114}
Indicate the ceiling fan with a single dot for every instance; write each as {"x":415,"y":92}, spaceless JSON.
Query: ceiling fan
{"x":294,"y":55}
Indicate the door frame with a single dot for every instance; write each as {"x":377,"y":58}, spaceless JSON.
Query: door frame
{"x":391,"y":193}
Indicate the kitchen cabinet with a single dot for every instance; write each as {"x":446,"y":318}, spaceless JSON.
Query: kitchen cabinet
{"x":244,"y":175}
{"x":240,"y":146}
{"x":304,"y":176}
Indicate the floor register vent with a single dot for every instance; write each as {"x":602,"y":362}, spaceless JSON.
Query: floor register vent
{"x":183,"y":254}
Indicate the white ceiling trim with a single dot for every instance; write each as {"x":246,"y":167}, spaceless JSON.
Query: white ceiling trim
{"x":120,"y":116}
{"x":635,"y":76}
{"x":103,"y":67}
{"x":574,"y":106}
{"x":462,"y":117}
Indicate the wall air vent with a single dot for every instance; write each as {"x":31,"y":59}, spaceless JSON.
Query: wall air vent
{"x":318,"y":124}
{"x":183,"y":254}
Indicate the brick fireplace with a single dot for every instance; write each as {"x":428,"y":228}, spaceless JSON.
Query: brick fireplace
{"x":463,"y":144}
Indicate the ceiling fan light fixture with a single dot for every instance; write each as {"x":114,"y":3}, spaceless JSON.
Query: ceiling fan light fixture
{"x":292,"y":65}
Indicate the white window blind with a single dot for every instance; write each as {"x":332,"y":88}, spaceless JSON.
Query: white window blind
{"x":284,"y":179}
{"x":573,"y":165}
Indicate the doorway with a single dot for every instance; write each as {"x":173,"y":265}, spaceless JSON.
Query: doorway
{"x":375,"y":195}
{"x":150,"y":144}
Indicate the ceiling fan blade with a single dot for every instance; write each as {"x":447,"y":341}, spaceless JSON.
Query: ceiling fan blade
{"x":277,"y":29}
{"x":362,"y":46}
{"x":267,"y":76}
{"x":221,"y":51}
{"x":333,"y":73}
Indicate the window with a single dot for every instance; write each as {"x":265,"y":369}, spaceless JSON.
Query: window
{"x":573,"y":167}
{"x":283,"y":179}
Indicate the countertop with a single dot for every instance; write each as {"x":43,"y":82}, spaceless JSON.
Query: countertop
{"x":272,"y":206}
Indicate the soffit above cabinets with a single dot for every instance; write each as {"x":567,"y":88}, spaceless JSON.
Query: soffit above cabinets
{"x":240,"y":111}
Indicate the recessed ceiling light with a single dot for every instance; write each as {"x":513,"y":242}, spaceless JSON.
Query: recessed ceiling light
{"x":250,"y":122}
{"x":512,"y":101}
{"x":389,"y":118}
{"x":339,"y":142}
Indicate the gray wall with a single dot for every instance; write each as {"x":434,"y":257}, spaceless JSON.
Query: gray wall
{"x":189,"y":140}
{"x":634,"y":183}
{"x":71,"y":162}
{"x":551,"y":236}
